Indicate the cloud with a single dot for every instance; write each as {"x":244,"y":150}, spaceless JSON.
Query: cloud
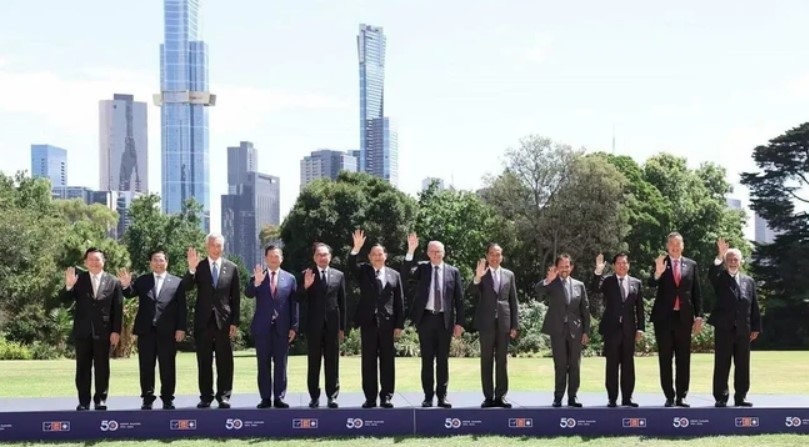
{"x":538,"y":52}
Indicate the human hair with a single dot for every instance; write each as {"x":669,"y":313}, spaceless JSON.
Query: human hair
{"x":272,"y":247}
{"x":92,"y":250}
{"x":561,"y":257}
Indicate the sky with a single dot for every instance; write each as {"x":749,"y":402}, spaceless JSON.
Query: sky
{"x":465,"y":80}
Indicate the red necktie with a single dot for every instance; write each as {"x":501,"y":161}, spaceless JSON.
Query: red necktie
{"x":273,"y":283}
{"x":677,"y":274}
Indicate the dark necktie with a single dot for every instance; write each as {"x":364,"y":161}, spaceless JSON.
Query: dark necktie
{"x":621,"y":286}
{"x":438,"y":303}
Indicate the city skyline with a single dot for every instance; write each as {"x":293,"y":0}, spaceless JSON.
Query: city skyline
{"x":123,"y":144}
{"x":49,"y":161}
{"x":462,"y":93}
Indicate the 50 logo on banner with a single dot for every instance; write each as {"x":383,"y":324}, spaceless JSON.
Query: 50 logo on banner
{"x":354,"y":423}
{"x":680,"y":422}
{"x":452,"y":423}
{"x":109,"y":425}
{"x":567,"y":422}
{"x":233,"y":424}
{"x":793,"y":422}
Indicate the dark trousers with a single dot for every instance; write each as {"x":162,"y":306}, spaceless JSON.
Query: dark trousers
{"x":674,"y":342}
{"x":730,"y":344}
{"x":566,"y":364}
{"x":154,"y":348}
{"x":434,"y":340}
{"x":92,"y":359}
{"x":619,"y":349}
{"x":326,"y":346}
{"x":376,"y":339}
{"x":494,"y":351}
{"x":272,"y":350}
{"x":210,"y":339}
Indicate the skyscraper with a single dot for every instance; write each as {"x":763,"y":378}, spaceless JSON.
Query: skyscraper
{"x":184,"y":97}
{"x":326,"y":163}
{"x":252,"y":202}
{"x":764,"y":234}
{"x":50,"y":162}
{"x":378,"y":139}
{"x":124,"y":152}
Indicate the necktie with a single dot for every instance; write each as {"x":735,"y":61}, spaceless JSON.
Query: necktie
{"x":95,"y":286}
{"x":568,"y":290}
{"x":273,"y":289}
{"x":323,"y":282}
{"x":677,"y":273}
{"x":623,"y":291}
{"x":496,"y":281}
{"x":158,"y":284}
{"x":379,"y":282}
{"x":215,"y":273}
{"x":438,"y":304}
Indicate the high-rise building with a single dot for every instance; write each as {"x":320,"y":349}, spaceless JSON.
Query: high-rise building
{"x":734,"y":204}
{"x":49,"y":162}
{"x":124,"y":152}
{"x":252,"y":202}
{"x":184,"y":98}
{"x":763,"y":233}
{"x":326,"y":163}
{"x":439,"y":183}
{"x":378,"y":140}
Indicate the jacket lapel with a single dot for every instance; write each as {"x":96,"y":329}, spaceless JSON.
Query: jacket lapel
{"x":101,"y":283}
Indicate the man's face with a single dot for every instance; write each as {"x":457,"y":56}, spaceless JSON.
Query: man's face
{"x":322,"y":257}
{"x":274,"y":259}
{"x":158,"y":263}
{"x":675,"y":246}
{"x":94,"y":262}
{"x":435,"y":252}
{"x":494,"y":257}
{"x":621,"y":266}
{"x":732,"y":262}
{"x":214,"y":247}
{"x":377,"y":257}
{"x":564,"y":267}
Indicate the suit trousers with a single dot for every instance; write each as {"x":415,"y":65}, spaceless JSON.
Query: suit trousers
{"x":161,"y":349}
{"x":210,"y":339}
{"x":434,"y":341}
{"x":619,"y":349}
{"x":674,"y":342}
{"x":376,"y":339}
{"x":731,"y":344}
{"x":272,"y":351}
{"x":494,"y":359}
{"x":566,"y":364}
{"x":326,"y":346}
{"x":92,"y":359}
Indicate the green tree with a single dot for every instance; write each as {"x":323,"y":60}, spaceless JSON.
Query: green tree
{"x":778,"y":194}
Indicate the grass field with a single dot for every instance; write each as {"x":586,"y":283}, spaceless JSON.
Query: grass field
{"x":772,"y":373}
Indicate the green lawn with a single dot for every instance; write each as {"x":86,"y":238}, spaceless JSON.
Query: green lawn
{"x":772,"y":372}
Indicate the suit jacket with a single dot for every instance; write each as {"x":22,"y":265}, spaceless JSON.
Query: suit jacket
{"x":386,"y":304}
{"x":167,"y":312}
{"x":222,"y":300}
{"x":96,"y":316}
{"x":577,"y":311}
{"x":620,"y":315}
{"x":452,"y":292}
{"x":688,"y":290}
{"x":736,"y":304}
{"x":499,"y":305}
{"x":325,"y":301}
{"x":267,"y":304}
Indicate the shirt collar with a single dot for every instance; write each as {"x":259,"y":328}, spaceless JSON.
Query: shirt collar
{"x":212,"y":262}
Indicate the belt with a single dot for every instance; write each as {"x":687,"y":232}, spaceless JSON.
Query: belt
{"x":432,"y":312}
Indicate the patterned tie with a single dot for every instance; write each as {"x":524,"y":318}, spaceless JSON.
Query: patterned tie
{"x":438,"y":304}
{"x":215,"y":274}
{"x":273,"y":289}
{"x":677,"y":277}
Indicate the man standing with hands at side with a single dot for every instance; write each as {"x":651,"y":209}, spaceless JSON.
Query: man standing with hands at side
{"x":621,"y":325}
{"x":216,"y":318}
{"x":568,"y":324}
{"x":497,"y":321}
{"x":324,"y":292}
{"x":677,"y":311}
{"x":737,"y":323}
{"x":438,"y":315}
{"x":97,"y":321}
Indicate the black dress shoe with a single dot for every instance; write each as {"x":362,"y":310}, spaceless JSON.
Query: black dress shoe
{"x":444,"y":403}
{"x":369,"y":404}
{"x":385,"y":403}
{"x":314,"y":403}
{"x":612,"y":404}
{"x":682,"y":403}
{"x":281,"y":404}
{"x":204,"y":404}
{"x":168,"y":406}
{"x":82,"y":407}
{"x":427,"y":403}
{"x":629,"y":403}
{"x":146,"y":406}
{"x":669,"y":403}
{"x":101,"y":406}
{"x":743,"y":403}
{"x":265,"y":403}
{"x":557,"y":403}
{"x":720,"y":404}
{"x":333,"y":404}
{"x":224,"y":404}
{"x":502,"y":403}
{"x":573,"y":402}
{"x":487,"y":403}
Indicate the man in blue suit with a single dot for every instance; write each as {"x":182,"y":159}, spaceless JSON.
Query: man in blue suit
{"x":274,"y":326}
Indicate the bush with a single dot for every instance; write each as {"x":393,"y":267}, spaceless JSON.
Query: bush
{"x":42,"y":351}
{"x":530,"y":341}
{"x":10,"y":350}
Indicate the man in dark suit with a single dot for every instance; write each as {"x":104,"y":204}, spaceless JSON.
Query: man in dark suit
{"x":97,"y":320}
{"x":380,"y":317}
{"x":567,"y":321}
{"x":737,"y":323}
{"x":160,"y":324}
{"x":622,"y":324}
{"x":677,"y":311}
{"x":324,"y":292}
{"x":216,"y":318}
{"x":274,"y":326}
{"x":497,"y":321}
{"x":437,"y":313}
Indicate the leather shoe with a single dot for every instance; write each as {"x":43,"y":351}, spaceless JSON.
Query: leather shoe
{"x":101,"y":406}
{"x":224,"y":404}
{"x":314,"y":403}
{"x":629,"y":403}
{"x":82,"y":407}
{"x":682,"y":403}
{"x":573,"y":402}
{"x":168,"y":406}
{"x":265,"y":403}
{"x":385,"y":403}
{"x":427,"y":403}
{"x":369,"y":404}
{"x":743,"y":403}
{"x":333,"y":404}
{"x":146,"y":406}
{"x":281,"y":404}
{"x":720,"y":404}
{"x":669,"y":403}
{"x":204,"y":404}
{"x":487,"y":403}
{"x":502,"y":403}
{"x":557,"y":404}
{"x":612,"y":404}
{"x":444,"y":403}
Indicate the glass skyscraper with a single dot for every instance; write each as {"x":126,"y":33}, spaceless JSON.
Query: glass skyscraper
{"x":378,"y":140}
{"x":184,"y":99}
{"x":49,"y":162}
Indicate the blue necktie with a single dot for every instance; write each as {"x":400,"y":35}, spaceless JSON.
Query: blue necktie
{"x":215,"y":274}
